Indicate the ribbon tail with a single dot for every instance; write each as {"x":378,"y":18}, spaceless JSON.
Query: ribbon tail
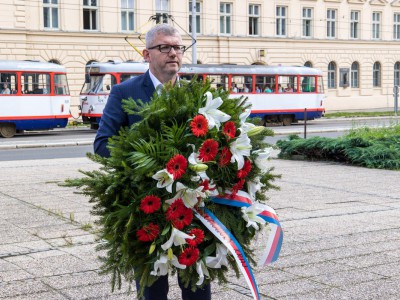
{"x":228,"y":240}
{"x":271,"y":252}
{"x":274,"y":243}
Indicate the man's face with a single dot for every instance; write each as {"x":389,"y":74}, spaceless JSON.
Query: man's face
{"x":164,"y":64}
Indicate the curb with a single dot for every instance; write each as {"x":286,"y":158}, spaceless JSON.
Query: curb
{"x":46,"y":145}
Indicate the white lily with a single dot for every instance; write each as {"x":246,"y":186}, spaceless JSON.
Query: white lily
{"x":239,"y":148}
{"x":212,"y":190}
{"x":165,"y":179}
{"x":254,"y":186}
{"x":250,"y":215}
{"x":244,"y":115}
{"x":194,"y":160}
{"x":262,"y":158}
{"x":177,"y":238}
{"x":162,"y":265}
{"x":202,"y":271}
{"x":220,"y":259}
{"x":190,"y":197}
{"x":211,"y":112}
{"x":245,"y":126}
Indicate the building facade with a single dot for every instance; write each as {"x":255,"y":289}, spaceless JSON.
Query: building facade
{"x":356,"y":43}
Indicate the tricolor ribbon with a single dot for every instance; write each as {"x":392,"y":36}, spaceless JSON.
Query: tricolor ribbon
{"x":223,"y":234}
{"x":274,"y":243}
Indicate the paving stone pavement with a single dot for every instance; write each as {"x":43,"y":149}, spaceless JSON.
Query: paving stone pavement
{"x":341,"y":235}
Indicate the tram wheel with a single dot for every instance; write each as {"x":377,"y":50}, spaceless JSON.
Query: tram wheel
{"x":287,"y":120}
{"x":7,"y":130}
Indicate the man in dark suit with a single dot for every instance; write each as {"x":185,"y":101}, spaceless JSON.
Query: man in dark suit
{"x":164,"y":52}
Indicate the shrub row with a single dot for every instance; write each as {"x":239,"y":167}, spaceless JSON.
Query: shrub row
{"x":368,"y":147}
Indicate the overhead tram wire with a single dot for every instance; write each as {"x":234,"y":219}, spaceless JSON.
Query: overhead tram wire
{"x":157,"y":18}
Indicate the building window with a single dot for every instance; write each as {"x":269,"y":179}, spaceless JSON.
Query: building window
{"x":331,"y":75}
{"x":55,"y":61}
{"x":354,"y":75}
{"x":162,"y":11}
{"x":331,"y":23}
{"x":281,"y":20}
{"x":90,"y":10}
{"x":397,"y":73}
{"x":376,"y":25}
{"x":308,"y":64}
{"x":127,"y":15}
{"x":225,"y":10}
{"x":198,"y":14}
{"x":254,"y":19}
{"x":376,"y":74}
{"x":50,"y":14}
{"x":355,"y":24}
{"x":396,"y":26}
{"x":307,"y":22}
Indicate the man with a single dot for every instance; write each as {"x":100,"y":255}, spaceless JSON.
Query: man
{"x":164,"y":52}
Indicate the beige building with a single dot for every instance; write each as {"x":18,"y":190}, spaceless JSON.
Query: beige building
{"x":356,"y":43}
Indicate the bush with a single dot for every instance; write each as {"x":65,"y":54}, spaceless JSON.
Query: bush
{"x":368,"y":147}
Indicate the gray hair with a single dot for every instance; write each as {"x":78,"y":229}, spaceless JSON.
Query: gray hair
{"x":164,"y":29}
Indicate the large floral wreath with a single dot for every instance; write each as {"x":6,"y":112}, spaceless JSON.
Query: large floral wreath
{"x":183,"y":189}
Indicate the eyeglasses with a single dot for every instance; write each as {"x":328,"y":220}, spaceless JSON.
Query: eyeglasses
{"x":167,"y":48}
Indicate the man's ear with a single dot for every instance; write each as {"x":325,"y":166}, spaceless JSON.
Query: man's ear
{"x":146,"y":55}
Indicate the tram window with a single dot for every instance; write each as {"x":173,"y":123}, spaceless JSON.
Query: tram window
{"x":307,"y":84}
{"x":125,"y":77}
{"x":61,"y":84}
{"x":108,"y":82}
{"x":8,"y":83}
{"x":242,"y":84}
{"x":187,"y":77}
{"x":266,"y":83}
{"x":35,"y":83}
{"x":218,"y":81}
{"x":287,"y":84}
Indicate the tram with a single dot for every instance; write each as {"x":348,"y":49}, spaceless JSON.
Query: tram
{"x":283,"y":94}
{"x":33,"y":96}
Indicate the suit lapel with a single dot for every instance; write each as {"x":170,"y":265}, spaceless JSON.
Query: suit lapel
{"x":148,"y":85}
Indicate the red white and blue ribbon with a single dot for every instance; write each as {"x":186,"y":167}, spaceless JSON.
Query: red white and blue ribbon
{"x":229,"y":241}
{"x":274,"y":242}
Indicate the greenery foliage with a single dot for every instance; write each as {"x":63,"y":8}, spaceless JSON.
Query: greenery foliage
{"x":368,"y":147}
{"x":137,"y":153}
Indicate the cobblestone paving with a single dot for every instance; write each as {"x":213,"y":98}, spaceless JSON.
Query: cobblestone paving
{"x":341,"y":235}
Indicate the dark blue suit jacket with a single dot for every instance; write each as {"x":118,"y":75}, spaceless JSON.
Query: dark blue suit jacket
{"x":114,"y":117}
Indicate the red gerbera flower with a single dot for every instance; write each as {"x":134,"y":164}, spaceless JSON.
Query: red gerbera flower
{"x":230,"y":129}
{"x":189,"y":256}
{"x":148,"y":233}
{"x":245,"y":170}
{"x":199,"y":125}
{"x":225,"y":157}
{"x":150,"y":204}
{"x":177,"y":166}
{"x":179,"y":215}
{"x":198,"y":237}
{"x":184,"y":218}
{"x":173,"y":209}
{"x":208,"y":150}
